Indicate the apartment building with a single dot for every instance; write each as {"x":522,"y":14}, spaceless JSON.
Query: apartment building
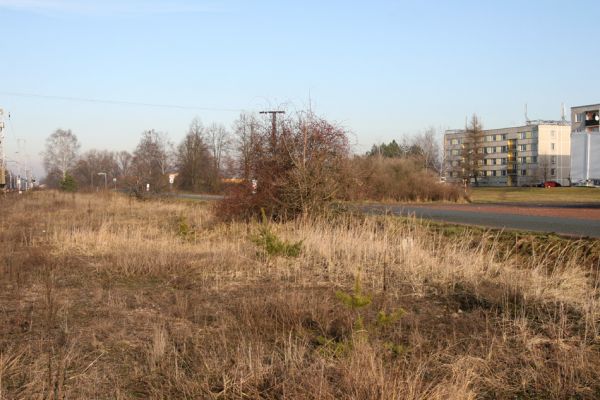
{"x":585,"y":145}
{"x":517,"y":156}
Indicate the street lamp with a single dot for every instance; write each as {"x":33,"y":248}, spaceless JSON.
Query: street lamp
{"x":105,"y":182}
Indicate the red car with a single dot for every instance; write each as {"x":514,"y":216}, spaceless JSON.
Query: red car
{"x":548,"y":184}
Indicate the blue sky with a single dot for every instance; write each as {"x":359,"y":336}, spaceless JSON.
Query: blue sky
{"x":382,"y":69}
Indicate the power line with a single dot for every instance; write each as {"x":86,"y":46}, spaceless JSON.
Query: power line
{"x":121,"y":102}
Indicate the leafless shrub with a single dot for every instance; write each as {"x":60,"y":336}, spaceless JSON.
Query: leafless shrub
{"x":397,"y":179}
{"x":296,"y":170}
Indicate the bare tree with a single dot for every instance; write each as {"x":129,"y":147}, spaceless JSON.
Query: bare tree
{"x":317,"y":151}
{"x":194,"y":161}
{"x":93,"y":162}
{"x":472,"y":151}
{"x":218,"y":142}
{"x":151,"y":160}
{"x":298,"y":173}
{"x":544,"y":167}
{"x":61,"y":152}
{"x":429,"y":149}
{"x":246,"y":140}
{"x":124,"y":160}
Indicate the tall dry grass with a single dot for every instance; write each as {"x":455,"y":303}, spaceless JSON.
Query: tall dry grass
{"x":109,"y":297}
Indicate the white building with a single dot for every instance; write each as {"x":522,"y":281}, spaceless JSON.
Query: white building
{"x":585,"y":145}
{"x":515,"y":156}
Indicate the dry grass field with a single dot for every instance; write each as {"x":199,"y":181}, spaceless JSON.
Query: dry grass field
{"x":107,"y":297}
{"x":533,"y":195}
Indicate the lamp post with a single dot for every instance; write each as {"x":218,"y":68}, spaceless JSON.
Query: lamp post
{"x":105,"y":182}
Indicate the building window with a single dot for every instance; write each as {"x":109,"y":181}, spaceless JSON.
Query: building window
{"x":503,"y":172}
{"x":489,"y":138}
{"x":553,"y":159}
{"x":529,"y":160}
{"x":503,"y":161}
{"x":552,"y":172}
{"x":523,"y":172}
{"x":577,"y":117}
{"x":552,"y":146}
{"x":592,"y":118}
{"x":504,"y":149}
{"x":522,"y":147}
{"x":454,"y":141}
{"x":552,"y":134}
{"x":455,"y":152}
{"x":525,"y":135}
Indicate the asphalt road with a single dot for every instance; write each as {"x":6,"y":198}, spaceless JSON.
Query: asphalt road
{"x":560,"y":225}
{"x":199,"y":197}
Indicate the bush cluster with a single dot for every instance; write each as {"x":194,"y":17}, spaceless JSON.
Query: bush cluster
{"x":397,"y":179}
{"x":299,"y":170}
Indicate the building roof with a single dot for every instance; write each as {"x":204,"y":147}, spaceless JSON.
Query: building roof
{"x":530,"y":124}
{"x":587,"y":106}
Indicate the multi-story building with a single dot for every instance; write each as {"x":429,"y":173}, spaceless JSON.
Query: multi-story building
{"x":585,"y":145}
{"x":517,"y":156}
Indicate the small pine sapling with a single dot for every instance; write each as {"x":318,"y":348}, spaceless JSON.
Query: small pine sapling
{"x":273,"y":245}
{"x":355,"y":301}
{"x":384,"y":319}
{"x":184,"y":230}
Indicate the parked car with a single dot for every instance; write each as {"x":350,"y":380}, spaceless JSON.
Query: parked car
{"x":549,"y":184}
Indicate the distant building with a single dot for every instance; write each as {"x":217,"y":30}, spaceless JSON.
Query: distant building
{"x":516,"y":156}
{"x":585,"y":145}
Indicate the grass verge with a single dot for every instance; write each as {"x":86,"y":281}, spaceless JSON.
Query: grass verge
{"x":532,"y":195}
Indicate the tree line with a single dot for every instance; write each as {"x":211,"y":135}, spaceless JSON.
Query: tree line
{"x":423,"y":148}
{"x":198,"y":161}
{"x":300,"y":164}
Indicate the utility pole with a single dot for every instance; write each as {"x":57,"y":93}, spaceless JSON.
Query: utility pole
{"x":273,"y":126}
{"x":2,"y":155}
